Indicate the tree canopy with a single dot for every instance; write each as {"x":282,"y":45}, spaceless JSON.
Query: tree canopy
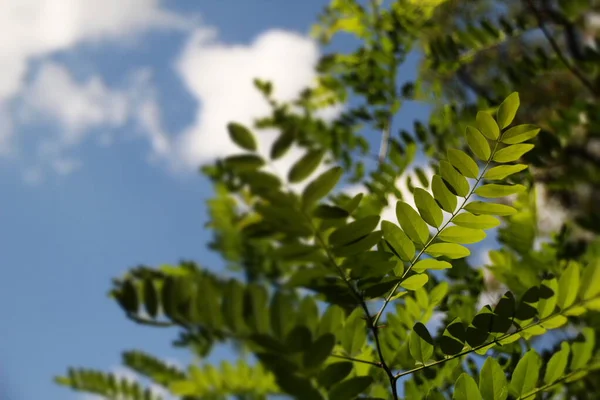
{"x":342,"y":294}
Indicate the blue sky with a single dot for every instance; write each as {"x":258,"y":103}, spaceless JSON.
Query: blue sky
{"x":106,"y":112}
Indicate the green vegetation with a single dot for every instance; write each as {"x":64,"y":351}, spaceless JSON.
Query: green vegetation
{"x":330,"y":300}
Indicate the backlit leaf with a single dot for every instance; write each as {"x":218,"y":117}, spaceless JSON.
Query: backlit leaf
{"x":398,"y":241}
{"x":492,"y":381}
{"x":466,"y":388}
{"x":411,"y":223}
{"x":568,"y":285}
{"x":450,"y":250}
{"x":428,"y":208}
{"x":414,"y":282}
{"x":512,"y":153}
{"x":590,"y":285}
{"x":481,"y":207}
{"x":420,"y":343}
{"x":557,"y":364}
{"x":469,"y":220}
{"x":520,"y":133}
{"x":526,"y":374}
{"x":445,"y":198}
{"x":583,"y":348}
{"x":507,"y":110}
{"x":493,"y":191}
{"x":478,"y":143}
{"x":458,"y":182}
{"x":241,"y":136}
{"x":502,"y":171}
{"x":459,"y":234}
{"x":430,"y":263}
{"x":465,"y":164}
{"x":547,"y":306}
{"x":321,"y":186}
{"x":305,"y":166}
{"x":487,"y":125}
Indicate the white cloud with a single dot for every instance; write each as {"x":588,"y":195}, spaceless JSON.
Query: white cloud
{"x":54,"y":94}
{"x":34,"y":28}
{"x":220,"y":77}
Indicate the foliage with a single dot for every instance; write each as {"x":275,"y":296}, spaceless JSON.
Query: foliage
{"x":334,"y":302}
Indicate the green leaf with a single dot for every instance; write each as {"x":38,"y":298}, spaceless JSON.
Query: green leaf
{"x":150,"y":298}
{"x":321,"y":186}
{"x":458,"y":182}
{"x":324,"y":211}
{"x":415,"y":282}
{"x":334,"y":373}
{"x":244,"y":162}
{"x":493,"y":190}
{"x":256,"y":302}
{"x":453,"y":339}
{"x":478,"y":143}
{"x":430,"y":211}
{"x":420,"y":343}
{"x":411,"y":223}
{"x":568,"y":285}
{"x":399,"y":243}
{"x":445,"y":198}
{"x":487,"y":125}
{"x":462,"y":162}
{"x":353,"y":203}
{"x":430,"y":263}
{"x":557,"y":364}
{"x":492,"y":381}
{"x":458,"y":234}
{"x":129,"y":299}
{"x":233,"y":305}
{"x":282,"y":145}
{"x":305,"y":166}
{"x":319,"y":351}
{"x":360,"y":246}
{"x":582,"y":348}
{"x":520,"y":133}
{"x":502,"y":171}
{"x":438,"y":293}
{"x":480,"y":207}
{"x":450,"y":250}
{"x":512,"y":153}
{"x":465,"y":388}
{"x":507,"y":110}
{"x":281,"y":309}
{"x":353,"y":231}
{"x":547,"y":306}
{"x":241,"y":136}
{"x":469,"y":220}
{"x":350,"y":388}
{"x":526,"y":374}
{"x":590,"y":285}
